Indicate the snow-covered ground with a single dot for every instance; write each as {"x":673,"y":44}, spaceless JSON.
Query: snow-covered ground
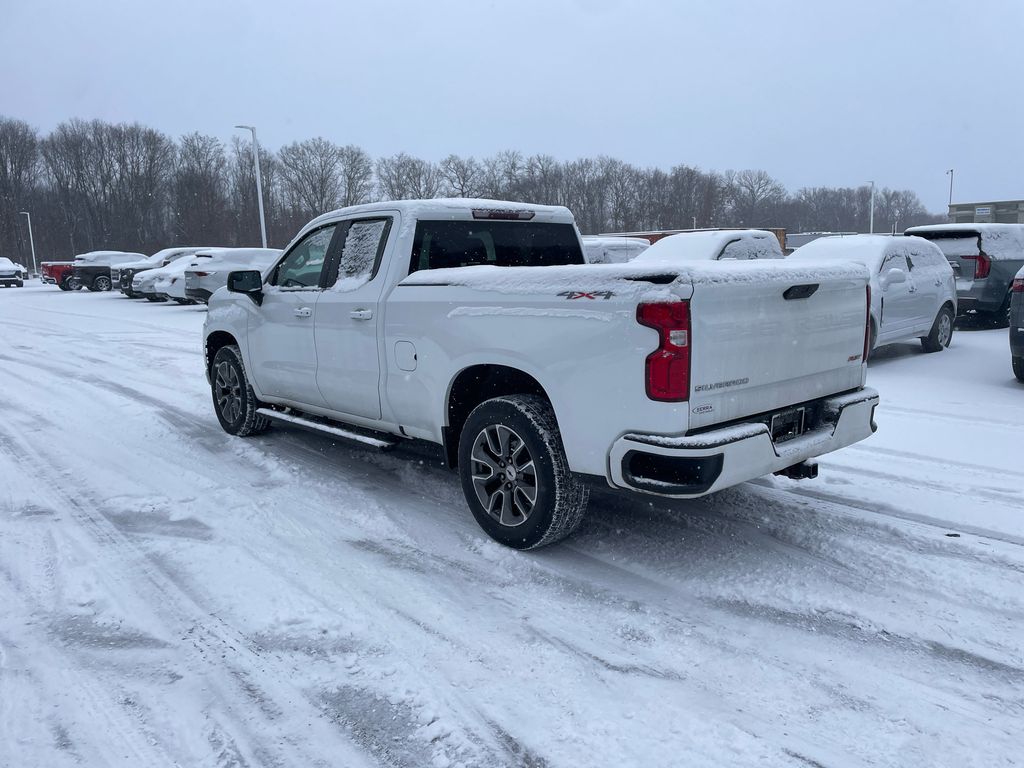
{"x":171,"y":595}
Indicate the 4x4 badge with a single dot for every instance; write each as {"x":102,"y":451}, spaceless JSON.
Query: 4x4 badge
{"x":570,"y":295}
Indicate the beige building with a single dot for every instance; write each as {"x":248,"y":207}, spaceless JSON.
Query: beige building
{"x":999,"y":212}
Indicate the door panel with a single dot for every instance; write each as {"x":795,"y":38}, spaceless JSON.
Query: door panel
{"x":898,"y":301}
{"x":282,"y":348}
{"x":347,"y":322}
{"x":282,"y":345}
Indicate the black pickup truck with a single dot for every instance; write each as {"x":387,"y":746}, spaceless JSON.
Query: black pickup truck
{"x":92,"y":270}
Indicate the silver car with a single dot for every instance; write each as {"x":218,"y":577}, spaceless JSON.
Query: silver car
{"x":202,"y":280}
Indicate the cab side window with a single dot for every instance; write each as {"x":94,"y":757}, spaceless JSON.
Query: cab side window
{"x":360,"y":255}
{"x":304,"y":264}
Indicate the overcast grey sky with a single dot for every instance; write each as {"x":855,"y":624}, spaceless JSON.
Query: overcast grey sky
{"x":816,"y":93}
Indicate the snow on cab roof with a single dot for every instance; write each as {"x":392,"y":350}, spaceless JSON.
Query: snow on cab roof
{"x":90,"y":255}
{"x":449,"y":207}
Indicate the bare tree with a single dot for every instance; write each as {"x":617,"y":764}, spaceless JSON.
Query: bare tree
{"x":311,"y":176}
{"x":199,"y":211}
{"x":356,"y":175}
{"x":403,"y":177}
{"x":463,"y":176}
{"x":19,"y":164}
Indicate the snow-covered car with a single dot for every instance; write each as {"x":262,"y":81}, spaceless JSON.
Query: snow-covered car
{"x":11,"y":274}
{"x":714,"y":245}
{"x":600,"y":249}
{"x":122,"y":275}
{"x":477,"y":325}
{"x":203,"y":280}
{"x":169,"y":281}
{"x":985,"y":258}
{"x":1017,"y":325}
{"x":92,"y":269}
{"x":913,"y":290}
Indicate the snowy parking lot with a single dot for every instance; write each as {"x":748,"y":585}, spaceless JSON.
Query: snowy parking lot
{"x":175,"y":596}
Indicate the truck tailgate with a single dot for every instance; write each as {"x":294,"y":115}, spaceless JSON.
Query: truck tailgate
{"x":764,"y":338}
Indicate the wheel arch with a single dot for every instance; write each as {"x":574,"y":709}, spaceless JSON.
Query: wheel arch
{"x":475,"y":384}
{"x":214,"y":342}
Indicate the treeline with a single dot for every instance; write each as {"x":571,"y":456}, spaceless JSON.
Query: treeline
{"x":93,"y":185}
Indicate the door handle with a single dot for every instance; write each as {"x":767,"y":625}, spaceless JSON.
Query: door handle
{"x":361,"y":314}
{"x":302,"y":312}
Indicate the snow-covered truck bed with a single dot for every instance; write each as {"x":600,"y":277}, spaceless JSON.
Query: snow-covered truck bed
{"x":476,"y":325}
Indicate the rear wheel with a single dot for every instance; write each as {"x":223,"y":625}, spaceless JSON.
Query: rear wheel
{"x":66,"y":283}
{"x":1018,"y":368}
{"x":515,"y":475}
{"x":233,"y":399}
{"x":941,"y":333}
{"x":101,"y":283}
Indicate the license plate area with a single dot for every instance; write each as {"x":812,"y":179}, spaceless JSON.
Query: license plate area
{"x":786,"y":425}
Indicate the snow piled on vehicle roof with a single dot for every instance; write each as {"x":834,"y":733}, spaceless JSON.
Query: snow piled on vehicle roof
{"x":743,"y":244}
{"x":447,"y":207}
{"x":862,"y":249}
{"x":628,"y":278}
{"x":1001,"y":242}
{"x":93,"y":255}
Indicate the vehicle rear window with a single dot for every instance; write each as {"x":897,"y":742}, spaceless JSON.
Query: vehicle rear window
{"x":444,"y":244}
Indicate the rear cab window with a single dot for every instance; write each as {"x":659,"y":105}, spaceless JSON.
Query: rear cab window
{"x":445,"y":244}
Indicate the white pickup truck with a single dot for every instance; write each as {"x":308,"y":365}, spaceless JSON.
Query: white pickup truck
{"x":476,"y":325}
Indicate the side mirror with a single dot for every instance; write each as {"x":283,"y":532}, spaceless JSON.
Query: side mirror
{"x":249,"y":282}
{"x":894,"y":276}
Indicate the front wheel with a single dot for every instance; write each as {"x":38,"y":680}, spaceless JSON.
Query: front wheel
{"x":101,"y":283}
{"x":1018,"y":368}
{"x":941,"y":333}
{"x":233,"y":399}
{"x":515,"y":475}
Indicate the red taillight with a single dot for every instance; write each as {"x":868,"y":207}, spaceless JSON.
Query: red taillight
{"x":867,"y":330}
{"x":1018,"y":285}
{"x":982,"y":265}
{"x":667,"y":369}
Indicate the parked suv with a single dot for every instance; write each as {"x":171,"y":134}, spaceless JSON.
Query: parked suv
{"x":11,"y":274}
{"x":92,"y":270}
{"x":121,"y":275}
{"x":913,"y":291}
{"x":1017,"y":325}
{"x":984,"y":257}
{"x":202,"y":279}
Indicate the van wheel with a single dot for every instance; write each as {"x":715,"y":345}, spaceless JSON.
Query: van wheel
{"x":515,"y":475}
{"x":1018,"y":368}
{"x":233,"y":399}
{"x":941,"y":333}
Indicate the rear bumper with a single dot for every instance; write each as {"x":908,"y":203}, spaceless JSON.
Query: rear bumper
{"x":696,"y":465}
{"x":49,"y":280}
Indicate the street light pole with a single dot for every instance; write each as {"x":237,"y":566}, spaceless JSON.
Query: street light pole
{"x":871,"y":224}
{"x":259,"y":180}
{"x":31,"y":241}
{"x":950,"y":174}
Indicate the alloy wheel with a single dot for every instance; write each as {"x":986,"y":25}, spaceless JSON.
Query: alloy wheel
{"x":229,"y":392}
{"x":504,"y":475}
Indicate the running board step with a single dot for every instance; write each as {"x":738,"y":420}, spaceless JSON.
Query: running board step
{"x":380,"y":444}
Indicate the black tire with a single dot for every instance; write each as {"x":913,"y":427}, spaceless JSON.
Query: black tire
{"x":234,"y":402}
{"x":66,"y":283}
{"x":1018,"y":368}
{"x":559,"y":498}
{"x":154,"y":298}
{"x":942,"y":332}
{"x":100,"y":283}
